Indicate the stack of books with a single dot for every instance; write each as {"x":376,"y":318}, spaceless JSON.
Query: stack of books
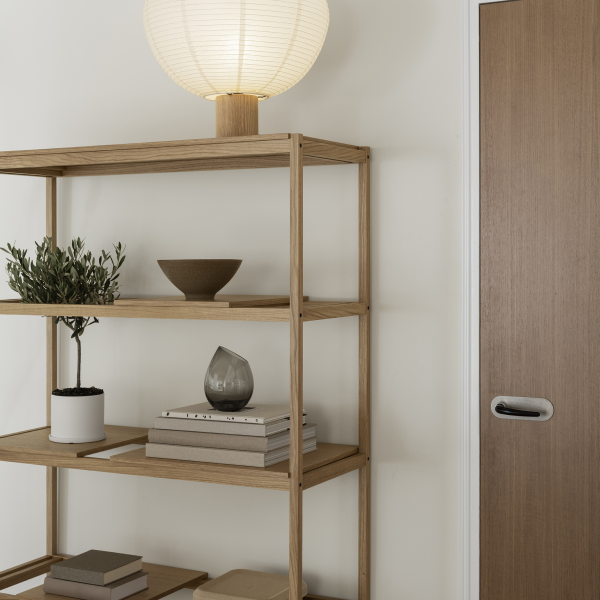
{"x":97,"y":575}
{"x":257,"y":436}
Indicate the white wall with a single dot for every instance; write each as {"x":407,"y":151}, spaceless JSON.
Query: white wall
{"x":81,"y":73}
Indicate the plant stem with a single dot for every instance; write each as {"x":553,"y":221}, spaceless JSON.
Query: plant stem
{"x":78,"y":362}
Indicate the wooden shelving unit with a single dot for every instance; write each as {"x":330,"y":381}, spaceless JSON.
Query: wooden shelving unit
{"x":300,"y":472}
{"x":313,"y":311}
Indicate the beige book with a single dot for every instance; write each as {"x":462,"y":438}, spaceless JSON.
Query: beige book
{"x":225,"y":457}
{"x":242,"y":584}
{"x":230,"y":442}
{"x":253,"y":413}
{"x":224,"y":427}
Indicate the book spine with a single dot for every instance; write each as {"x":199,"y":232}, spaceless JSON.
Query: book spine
{"x":210,"y":426}
{"x":208,"y":440}
{"x":207,"y":455}
{"x":73,"y":589}
{"x":78,"y":575}
{"x":223,"y":417}
{"x":216,"y":417}
{"x":217,"y":455}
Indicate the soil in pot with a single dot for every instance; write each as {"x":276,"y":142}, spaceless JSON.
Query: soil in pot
{"x":91,"y":391}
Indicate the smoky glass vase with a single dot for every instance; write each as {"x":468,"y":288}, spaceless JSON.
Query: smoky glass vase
{"x":228,"y":384}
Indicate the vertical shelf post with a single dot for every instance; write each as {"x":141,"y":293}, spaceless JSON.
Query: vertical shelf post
{"x":296,"y":367}
{"x":51,"y":383}
{"x":364,"y":370}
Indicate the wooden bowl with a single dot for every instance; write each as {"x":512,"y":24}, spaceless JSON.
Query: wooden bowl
{"x":200,"y":279}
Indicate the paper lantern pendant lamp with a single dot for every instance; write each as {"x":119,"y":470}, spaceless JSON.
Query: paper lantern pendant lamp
{"x":236,"y":52}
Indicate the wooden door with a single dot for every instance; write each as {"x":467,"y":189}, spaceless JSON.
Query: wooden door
{"x":540,"y":298}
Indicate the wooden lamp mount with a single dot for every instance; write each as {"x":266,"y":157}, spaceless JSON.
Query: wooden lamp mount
{"x":237,"y":115}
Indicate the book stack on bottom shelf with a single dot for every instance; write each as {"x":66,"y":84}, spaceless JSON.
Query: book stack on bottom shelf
{"x":97,"y":575}
{"x":257,"y":436}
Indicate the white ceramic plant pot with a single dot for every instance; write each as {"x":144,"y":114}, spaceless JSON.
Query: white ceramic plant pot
{"x":77,"y":419}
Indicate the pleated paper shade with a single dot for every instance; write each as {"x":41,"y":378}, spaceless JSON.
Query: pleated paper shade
{"x":215,"y":47}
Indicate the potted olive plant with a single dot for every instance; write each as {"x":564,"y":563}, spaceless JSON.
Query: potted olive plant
{"x":69,"y":277}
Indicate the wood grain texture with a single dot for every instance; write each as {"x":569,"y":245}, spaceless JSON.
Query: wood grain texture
{"x":540,"y":298}
{"x":51,"y":510}
{"x":313,"y":139}
{"x":162,"y":581}
{"x":296,"y":362}
{"x":123,"y":310}
{"x":21,"y":432}
{"x":37,"y":442}
{"x":236,"y":115}
{"x":333,"y":470}
{"x":51,"y":380}
{"x":148,"y":145}
{"x":247,"y":152}
{"x":275,"y":314}
{"x":194,"y":586}
{"x":364,"y":377}
{"x":51,"y":330}
{"x":27,"y":570}
{"x":136,"y":153}
{"x":33,"y":172}
{"x":273,"y":161}
{"x":220,"y":301}
{"x":315,"y":311}
{"x":135,"y":462}
{"x":180,"y":166}
{"x":324,"y":149}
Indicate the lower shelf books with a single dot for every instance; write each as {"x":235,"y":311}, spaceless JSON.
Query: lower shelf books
{"x":226,"y":457}
{"x":223,"y":427}
{"x":117,"y":590}
{"x":230,"y":442}
{"x":97,"y":567}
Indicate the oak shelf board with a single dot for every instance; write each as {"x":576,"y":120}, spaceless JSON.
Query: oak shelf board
{"x":274,"y":477}
{"x":327,"y":462}
{"x":36,"y":441}
{"x":250,"y":152}
{"x":26,"y":571}
{"x":312,"y":311}
{"x":219,"y":301}
{"x":162,"y":581}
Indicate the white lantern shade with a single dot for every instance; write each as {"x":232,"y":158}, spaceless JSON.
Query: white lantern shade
{"x":215,"y":47}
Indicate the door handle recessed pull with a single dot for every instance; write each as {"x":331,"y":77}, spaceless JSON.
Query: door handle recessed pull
{"x":502,"y":409}
{"x":521,"y":408}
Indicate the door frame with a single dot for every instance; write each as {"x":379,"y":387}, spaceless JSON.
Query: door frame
{"x":470,"y":459}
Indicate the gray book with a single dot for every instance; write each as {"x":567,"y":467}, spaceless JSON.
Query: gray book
{"x":230,"y":442}
{"x":225,"y":457}
{"x":226,"y":428}
{"x":117,"y":590}
{"x":97,"y":567}
{"x":253,"y":413}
